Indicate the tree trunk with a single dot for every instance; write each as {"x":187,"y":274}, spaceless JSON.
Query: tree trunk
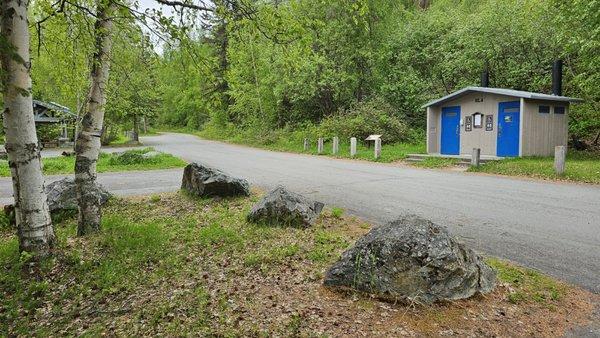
{"x":34,"y":225}
{"x":88,"y":142}
{"x":136,"y":129}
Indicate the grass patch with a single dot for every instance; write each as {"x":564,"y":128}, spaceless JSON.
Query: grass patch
{"x":293,"y":141}
{"x":178,"y":266}
{"x":437,"y":162}
{"x":108,"y":162}
{"x":580,"y":167}
{"x":337,"y":212}
{"x":528,"y":284}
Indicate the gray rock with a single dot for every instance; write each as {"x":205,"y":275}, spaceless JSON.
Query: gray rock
{"x":63,"y":196}
{"x":204,"y":181}
{"x":283,"y":207}
{"x":411,"y":260}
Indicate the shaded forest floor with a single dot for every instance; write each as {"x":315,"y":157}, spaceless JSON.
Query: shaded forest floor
{"x":174,"y":265}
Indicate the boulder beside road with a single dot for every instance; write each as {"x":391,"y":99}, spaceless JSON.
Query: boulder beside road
{"x":411,"y":260}
{"x":283,"y":207}
{"x":204,"y":181}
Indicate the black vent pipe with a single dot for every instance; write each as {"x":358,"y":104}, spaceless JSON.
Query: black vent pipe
{"x":485,"y":78}
{"x":485,"y":75}
{"x":557,"y":78}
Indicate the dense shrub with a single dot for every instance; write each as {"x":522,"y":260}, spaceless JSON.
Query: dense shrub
{"x":131,"y":157}
{"x":48,"y":132}
{"x":365,"y":118}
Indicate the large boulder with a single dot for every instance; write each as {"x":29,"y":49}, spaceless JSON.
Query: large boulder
{"x":411,"y":260}
{"x":283,"y":207}
{"x":63,"y":196}
{"x":204,"y":181}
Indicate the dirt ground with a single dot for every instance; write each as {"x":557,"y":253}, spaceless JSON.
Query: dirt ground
{"x":219,"y":288}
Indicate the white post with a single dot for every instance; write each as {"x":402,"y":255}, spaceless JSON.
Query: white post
{"x":353,"y":146}
{"x":475,"y":157}
{"x":560,"y":155}
{"x":305,"y":144}
{"x":377,"y":148}
{"x":320,"y":146}
{"x":336,"y":145}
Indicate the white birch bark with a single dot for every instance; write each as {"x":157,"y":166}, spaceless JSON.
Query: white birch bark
{"x":34,"y":225}
{"x":87,"y":147}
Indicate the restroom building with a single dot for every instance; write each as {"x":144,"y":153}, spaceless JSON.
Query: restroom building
{"x":501,"y":122}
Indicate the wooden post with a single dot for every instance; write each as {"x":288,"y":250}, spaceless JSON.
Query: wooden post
{"x":560,"y":156}
{"x":320,"y":146}
{"x":306,"y":145}
{"x":352,"y":146}
{"x":377,"y":148}
{"x":475,"y":157}
{"x":336,"y":145}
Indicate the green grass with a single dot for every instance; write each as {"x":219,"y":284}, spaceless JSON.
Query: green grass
{"x":528,"y":285}
{"x":580,"y":167}
{"x":178,"y":266}
{"x":107,"y":163}
{"x":437,"y":162}
{"x":145,"y":250}
{"x":293,"y":141}
{"x":337,"y":212}
{"x":120,"y":140}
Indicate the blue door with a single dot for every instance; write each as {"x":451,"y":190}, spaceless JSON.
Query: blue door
{"x":508,"y":129}
{"x":450,"y":131}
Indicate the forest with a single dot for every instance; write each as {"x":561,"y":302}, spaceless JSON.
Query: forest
{"x":265,"y":70}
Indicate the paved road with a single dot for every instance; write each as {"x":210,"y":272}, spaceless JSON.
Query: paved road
{"x":554,"y":227}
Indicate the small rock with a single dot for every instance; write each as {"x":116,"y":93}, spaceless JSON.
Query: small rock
{"x":204,"y":181}
{"x":283,"y":207}
{"x":411,"y":260}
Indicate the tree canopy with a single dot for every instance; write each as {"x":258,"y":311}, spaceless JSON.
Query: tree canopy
{"x":264,"y":65}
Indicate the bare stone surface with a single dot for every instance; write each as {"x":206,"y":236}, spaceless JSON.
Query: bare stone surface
{"x":63,"y":196}
{"x":204,"y":181}
{"x":411,"y":260}
{"x":283,"y":207}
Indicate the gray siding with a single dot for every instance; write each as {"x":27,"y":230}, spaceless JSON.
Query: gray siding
{"x":540,"y":133}
{"x":543,"y":132}
{"x":478,"y":137}
{"x":433,"y":130}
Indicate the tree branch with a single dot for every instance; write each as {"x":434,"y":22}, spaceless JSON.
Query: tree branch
{"x":175,"y":3}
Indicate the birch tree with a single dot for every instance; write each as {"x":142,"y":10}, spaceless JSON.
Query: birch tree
{"x":34,"y":226}
{"x":87,"y":147}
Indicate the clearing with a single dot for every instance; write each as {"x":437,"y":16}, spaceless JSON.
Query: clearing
{"x":174,"y":265}
{"x":107,"y":162}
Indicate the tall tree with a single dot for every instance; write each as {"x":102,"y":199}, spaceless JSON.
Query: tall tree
{"x":35,"y":231}
{"x":87,"y":147}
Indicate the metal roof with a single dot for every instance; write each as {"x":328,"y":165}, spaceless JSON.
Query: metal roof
{"x":54,"y":106}
{"x":502,"y":91}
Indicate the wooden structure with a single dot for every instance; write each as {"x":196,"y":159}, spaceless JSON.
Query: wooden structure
{"x":51,"y":113}
{"x":501,"y":122}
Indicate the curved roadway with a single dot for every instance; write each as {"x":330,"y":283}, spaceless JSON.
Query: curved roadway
{"x":550,"y":226}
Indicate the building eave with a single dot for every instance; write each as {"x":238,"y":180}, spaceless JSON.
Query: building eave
{"x":501,"y":91}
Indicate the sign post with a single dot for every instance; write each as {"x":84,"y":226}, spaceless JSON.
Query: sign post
{"x":560,"y":156}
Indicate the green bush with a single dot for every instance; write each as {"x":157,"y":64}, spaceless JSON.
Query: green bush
{"x":130,"y":157}
{"x":365,"y":118}
{"x":48,"y":132}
